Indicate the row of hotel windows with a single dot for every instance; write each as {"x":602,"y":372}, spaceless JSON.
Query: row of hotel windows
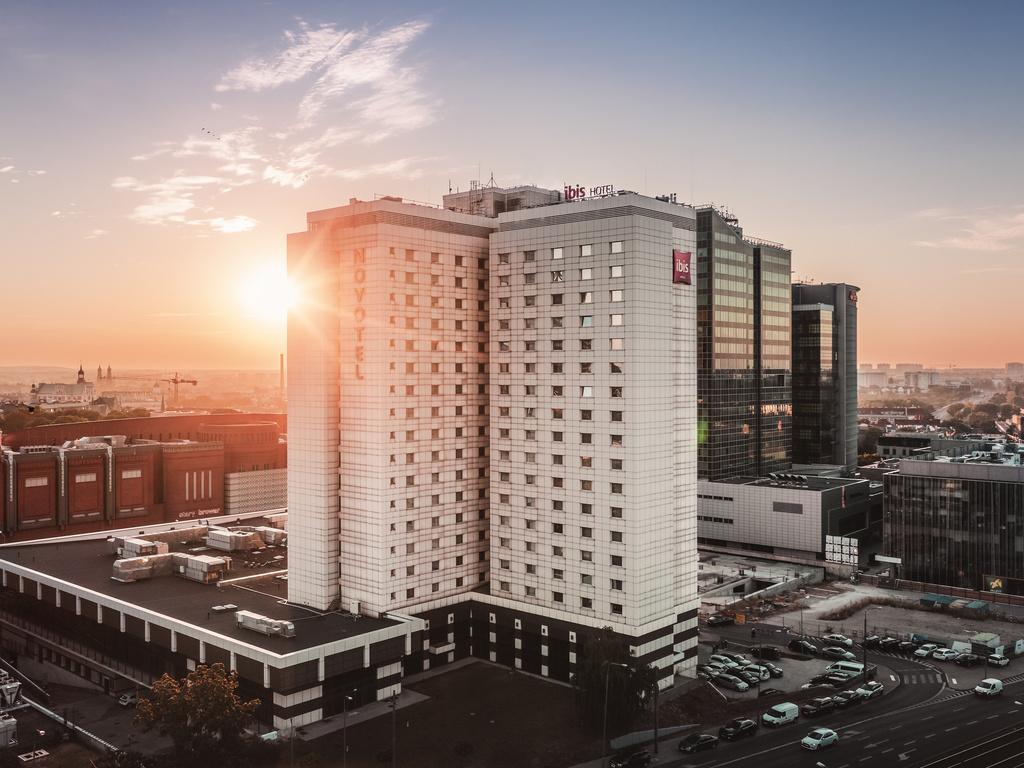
{"x":435,"y":434}
{"x":558,"y":574}
{"x":559,"y":482}
{"x":558,"y":390}
{"x":586,"y":555}
{"x":460,"y":282}
{"x":560,"y":368}
{"x":435,"y":389}
{"x":615,"y":246}
{"x":558,"y":345}
{"x":435,"y":522}
{"x":559,"y":597}
{"x":436,"y":586}
{"x":558,"y":275}
{"x":557,"y":504}
{"x":460,"y":538}
{"x":435,"y":258}
{"x":556,"y":413}
{"x":556,"y":437}
{"x":708,"y":519}
{"x":435,"y":301}
{"x":435,"y":477}
{"x":559,"y":459}
{"x":586,"y":532}
{"x":410,"y":458}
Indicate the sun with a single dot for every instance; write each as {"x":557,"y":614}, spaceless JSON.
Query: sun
{"x":265,"y":293}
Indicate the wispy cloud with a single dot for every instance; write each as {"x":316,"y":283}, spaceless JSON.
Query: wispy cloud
{"x":345,"y":87}
{"x":96,"y":233}
{"x":982,"y":230}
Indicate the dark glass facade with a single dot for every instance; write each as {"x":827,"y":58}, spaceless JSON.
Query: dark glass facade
{"x":825,"y":374}
{"x":961,"y":531}
{"x":743,"y":352}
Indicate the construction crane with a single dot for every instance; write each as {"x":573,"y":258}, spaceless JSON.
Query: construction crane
{"x":176,"y":381}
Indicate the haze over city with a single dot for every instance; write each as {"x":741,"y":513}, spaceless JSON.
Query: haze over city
{"x":153,"y":157}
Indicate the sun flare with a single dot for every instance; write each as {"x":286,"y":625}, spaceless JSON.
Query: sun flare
{"x":265,"y":293}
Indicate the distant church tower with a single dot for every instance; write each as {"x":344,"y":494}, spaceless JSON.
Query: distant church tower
{"x":110,"y":374}
{"x":81,"y":374}
{"x":99,"y":373}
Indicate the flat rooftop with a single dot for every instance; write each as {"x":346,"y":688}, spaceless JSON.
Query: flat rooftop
{"x":260,"y":586}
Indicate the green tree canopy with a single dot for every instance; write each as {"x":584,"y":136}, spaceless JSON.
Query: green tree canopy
{"x":957,"y":426}
{"x":627,"y":685}
{"x":201,"y":714}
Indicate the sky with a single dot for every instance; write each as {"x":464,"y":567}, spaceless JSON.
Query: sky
{"x":154,"y":156}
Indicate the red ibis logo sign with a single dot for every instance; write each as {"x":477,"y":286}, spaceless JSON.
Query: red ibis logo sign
{"x":681,"y":267}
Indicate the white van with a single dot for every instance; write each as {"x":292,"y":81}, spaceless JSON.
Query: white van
{"x":989,"y":687}
{"x":851,"y":668}
{"x":129,"y":699}
{"x":781,"y":714}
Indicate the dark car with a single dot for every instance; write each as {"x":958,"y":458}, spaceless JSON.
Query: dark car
{"x":698,"y":742}
{"x":731,"y":681}
{"x":831,"y":680}
{"x":872,"y":641}
{"x":888,"y":644}
{"x":845,"y":699}
{"x":633,"y":758}
{"x":773,"y":670}
{"x":737,"y":729}
{"x":906,"y":647}
{"x":820,"y":705}
{"x":748,"y":677}
{"x":708,"y":672}
{"x":720,"y":621}
{"x":835,"y":652}
{"x":802,"y":646}
{"x":766,"y":652}
{"x":969,"y":660}
{"x":770,"y":692}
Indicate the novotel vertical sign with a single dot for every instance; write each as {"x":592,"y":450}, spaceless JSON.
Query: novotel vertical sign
{"x":681,"y":267}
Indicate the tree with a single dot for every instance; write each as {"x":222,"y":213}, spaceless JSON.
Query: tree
{"x":201,"y":714}
{"x":627,"y":688}
{"x":956,"y":426}
{"x":867,"y":439}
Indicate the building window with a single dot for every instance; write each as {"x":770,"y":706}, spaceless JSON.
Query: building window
{"x":557,"y":276}
{"x":557,"y":437}
{"x":586,"y":509}
{"x":557,"y":528}
{"x":529,"y":255}
{"x":616,"y":320}
{"x":587,"y":297}
{"x":617,"y":560}
{"x":616,"y":439}
{"x":557,"y":253}
{"x":503,"y":279}
{"x":531,"y":591}
{"x":557,"y":298}
{"x":587,"y":274}
{"x":617,"y":608}
{"x":616,"y":246}
{"x":587,"y":533}
{"x":616,"y":295}
{"x":503,"y":258}
{"x":586,"y":415}
{"x":586,"y":437}
{"x":615,"y":344}
{"x":586,"y":485}
{"x":586,"y":391}
{"x":586,"y":344}
{"x":586,"y":602}
{"x":616,"y":511}
{"x":617,"y":536}
{"x":586,"y":461}
{"x":586,"y":250}
{"x":616,"y":463}
{"x":616,"y":415}
{"x":530,"y":300}
{"x":616,"y":270}
{"x":556,"y":345}
{"x":617,"y":367}
{"x":557,"y":367}
{"x":616,"y":392}
{"x":558,"y":551}
{"x":556,"y":322}
{"x":586,"y":321}
{"x":557,"y":597}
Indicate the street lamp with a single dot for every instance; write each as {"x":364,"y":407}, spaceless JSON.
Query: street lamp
{"x":393,"y":703}
{"x":344,"y":730}
{"x":604,"y":728}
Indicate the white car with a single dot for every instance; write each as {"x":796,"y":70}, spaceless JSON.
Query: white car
{"x":820,"y":738}
{"x":871,"y":690}
{"x":756,"y":669}
{"x":998,"y":660}
{"x":944,"y":654}
{"x":842,"y":640}
{"x":926,"y":650}
{"x":724,"y":661}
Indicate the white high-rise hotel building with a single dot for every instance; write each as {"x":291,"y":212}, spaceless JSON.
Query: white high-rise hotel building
{"x":493,"y":423}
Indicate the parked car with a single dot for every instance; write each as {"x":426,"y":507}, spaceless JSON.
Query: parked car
{"x":770,"y":692}
{"x":998,"y":660}
{"x":129,"y":700}
{"x":907,"y":646}
{"x":739,"y":658}
{"x":944,"y":654}
{"x":820,"y":705}
{"x":723,"y":661}
{"x":708,"y":671}
{"x":759,"y":670}
{"x":748,"y":677}
{"x":720,"y":621}
{"x":989,"y":687}
{"x":772,"y":669}
{"x":872,"y":641}
{"x":871,"y":690}
{"x":820,"y":738}
{"x":845,"y":699}
{"x":802,"y":646}
{"x":835,"y":652}
{"x":737,"y":729}
{"x":731,"y":681}
{"x":969,"y":660}
{"x":766,"y":652}
{"x":632,"y":758}
{"x":834,"y":639}
{"x":926,"y":650}
{"x":698,"y":742}
{"x":888,"y":644}
{"x":829,"y":680}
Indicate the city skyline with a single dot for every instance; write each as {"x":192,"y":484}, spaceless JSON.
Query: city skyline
{"x":155,"y":158}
